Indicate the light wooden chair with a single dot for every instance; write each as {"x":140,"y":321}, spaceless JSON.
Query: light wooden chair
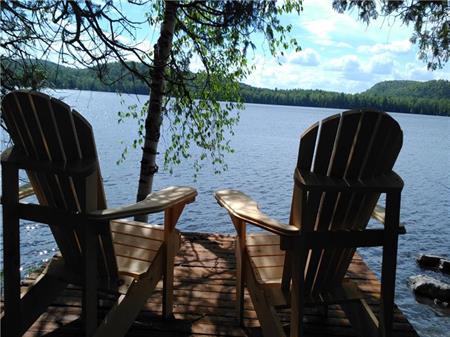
{"x":344,"y":164}
{"x":55,"y":146}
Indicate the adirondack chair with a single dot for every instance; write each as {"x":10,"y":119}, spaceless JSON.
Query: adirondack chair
{"x":125,"y":259}
{"x":344,"y":164}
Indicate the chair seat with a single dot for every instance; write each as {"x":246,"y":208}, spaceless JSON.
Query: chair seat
{"x":267,"y":261}
{"x":136,"y":245}
{"x":266,"y":258}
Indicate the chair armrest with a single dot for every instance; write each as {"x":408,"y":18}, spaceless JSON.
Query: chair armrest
{"x":153,"y":203}
{"x":243,"y":207}
{"x":310,"y":181}
{"x":379,"y":215}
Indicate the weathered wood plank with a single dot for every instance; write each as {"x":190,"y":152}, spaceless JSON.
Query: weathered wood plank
{"x":205,"y":299}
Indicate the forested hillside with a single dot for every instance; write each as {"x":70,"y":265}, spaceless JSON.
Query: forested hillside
{"x":431,"y":89}
{"x":320,"y":98}
{"x":431,"y":98}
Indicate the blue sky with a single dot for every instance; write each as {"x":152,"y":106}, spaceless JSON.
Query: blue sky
{"x":339,"y":52}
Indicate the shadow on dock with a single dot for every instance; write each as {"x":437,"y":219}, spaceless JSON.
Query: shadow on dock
{"x":204,"y":300}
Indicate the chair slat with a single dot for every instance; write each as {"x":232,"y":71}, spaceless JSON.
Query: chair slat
{"x":132,"y":267}
{"x":307,"y":146}
{"x":134,"y":228}
{"x":68,"y":244}
{"x":9,"y":103}
{"x":323,"y":153}
{"x":386,"y":144}
{"x":48,"y":130}
{"x":85,"y":137}
{"x":345,"y":140}
{"x":133,"y":241}
{"x":64,"y":121}
{"x":268,"y":261}
{"x":262,"y":239}
{"x":135,"y":253}
{"x":20,"y":122}
{"x":12,"y":121}
{"x":42,"y":145}
{"x":265,"y":250}
{"x":368,"y":123}
{"x":325,"y":144}
{"x":33,"y":127}
{"x":322,"y":156}
{"x":337,"y":166}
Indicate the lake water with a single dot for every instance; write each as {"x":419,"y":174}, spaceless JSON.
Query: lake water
{"x":266,"y":144}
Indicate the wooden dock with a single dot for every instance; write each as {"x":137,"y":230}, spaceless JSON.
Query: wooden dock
{"x":204,"y":300}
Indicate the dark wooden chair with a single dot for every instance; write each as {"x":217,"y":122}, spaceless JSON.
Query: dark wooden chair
{"x":55,"y":146}
{"x":344,"y":164}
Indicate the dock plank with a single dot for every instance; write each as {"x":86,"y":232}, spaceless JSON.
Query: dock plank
{"x":204,"y":300}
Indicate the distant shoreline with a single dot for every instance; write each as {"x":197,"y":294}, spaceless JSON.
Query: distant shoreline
{"x":264,"y":104}
{"x":403,"y":96}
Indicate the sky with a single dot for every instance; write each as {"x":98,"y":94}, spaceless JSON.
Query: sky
{"x":340,"y":53}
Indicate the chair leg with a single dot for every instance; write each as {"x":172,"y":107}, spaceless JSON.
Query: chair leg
{"x":387,"y":290}
{"x":389,"y":263}
{"x":297,"y":292}
{"x":240,"y":281}
{"x":39,"y":295}
{"x":241,"y":258}
{"x":11,"y":323}
{"x":171,"y":246}
{"x":267,"y":316}
{"x":361,"y":317}
{"x":122,"y":315}
{"x":89,"y":301}
{"x":169,"y":260}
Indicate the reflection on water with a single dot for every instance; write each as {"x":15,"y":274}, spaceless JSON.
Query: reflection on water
{"x":266,"y":144}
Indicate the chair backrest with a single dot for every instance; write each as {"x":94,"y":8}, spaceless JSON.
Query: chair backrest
{"x":357,"y":144}
{"x":46,"y":130}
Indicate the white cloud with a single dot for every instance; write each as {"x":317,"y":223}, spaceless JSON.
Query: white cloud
{"x":381,"y":64}
{"x":345,"y":63}
{"x":351,"y":67}
{"x":322,"y":30}
{"x":269,"y":74}
{"x":417,"y":72}
{"x":306,"y":57}
{"x":399,"y":46}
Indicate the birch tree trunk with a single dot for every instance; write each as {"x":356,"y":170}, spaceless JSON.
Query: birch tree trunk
{"x":154,"y":115}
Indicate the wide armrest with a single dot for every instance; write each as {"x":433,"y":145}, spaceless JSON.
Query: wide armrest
{"x":153,"y":203}
{"x":379,"y":215}
{"x":310,"y":181}
{"x":243,"y":207}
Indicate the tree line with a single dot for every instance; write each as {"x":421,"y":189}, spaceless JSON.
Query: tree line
{"x":319,"y":98}
{"x":429,"y":98}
